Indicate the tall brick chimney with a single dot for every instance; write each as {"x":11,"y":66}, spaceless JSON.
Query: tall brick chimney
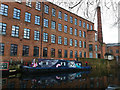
{"x":100,"y":37}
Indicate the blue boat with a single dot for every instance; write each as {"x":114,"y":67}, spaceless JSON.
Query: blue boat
{"x":54,"y":65}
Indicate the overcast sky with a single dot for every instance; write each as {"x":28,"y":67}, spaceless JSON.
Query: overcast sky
{"x":110,"y":31}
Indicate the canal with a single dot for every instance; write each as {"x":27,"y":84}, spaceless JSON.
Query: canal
{"x":96,"y":78}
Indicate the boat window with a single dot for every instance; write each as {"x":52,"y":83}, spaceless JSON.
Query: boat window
{"x":63,"y":63}
{"x":79,"y":64}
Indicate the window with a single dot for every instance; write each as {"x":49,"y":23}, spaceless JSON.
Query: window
{"x":53,"y":24}
{"x":25,"y":50}
{"x":95,"y":37}
{"x":84,"y":34}
{"x":80,"y":23}
{"x":71,"y":30}
{"x":71,"y":54}
{"x":65,"y":28}
{"x":13,"y":50}
{"x":28,"y":3}
{"x":111,"y":51}
{"x":45,"y":22}
{"x":60,"y":15}
{"x":84,"y":54}
{"x":75,"y":43}
{"x":53,"y":12}
{"x":4,"y":10}
{"x":87,"y":26}
{"x":38,"y":5}
{"x":76,"y":54}
{"x":46,"y":9}
{"x":65,"y":17}
{"x":91,"y":27}
{"x":80,"y":54}
{"x":37,"y":20}
{"x":36,"y":35}
{"x":84,"y":44}
{"x":52,"y":52}
{"x":83,"y":24}
{"x":65,"y":53}
{"x":52,"y":38}
{"x":71,"y":19}
{"x":90,"y":47}
{"x":16,"y":13}
{"x":75,"y":32}
{"x":45,"y":37}
{"x":59,"y":53}
{"x":18,"y":1}
{"x":3,"y":28}
{"x":59,"y":40}
{"x":44,"y":52}
{"x":80,"y":33}
{"x":59,"y":27}
{"x":90,"y":55}
{"x":96,"y":55}
{"x":65,"y":41}
{"x":15,"y":31}
{"x":36,"y":51}
{"x":2,"y":49}
{"x":26,"y":33}
{"x":71,"y":42}
{"x":80,"y":43}
{"x":117,"y":51}
{"x":75,"y":21}
{"x":95,"y":47}
{"x":27,"y":17}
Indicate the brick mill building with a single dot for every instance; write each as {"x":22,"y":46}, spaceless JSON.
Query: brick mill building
{"x":44,"y":30}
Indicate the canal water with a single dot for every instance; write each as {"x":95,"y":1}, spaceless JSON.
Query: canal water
{"x":108,"y":79}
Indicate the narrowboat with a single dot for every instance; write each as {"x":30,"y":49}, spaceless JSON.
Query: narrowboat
{"x":54,"y":65}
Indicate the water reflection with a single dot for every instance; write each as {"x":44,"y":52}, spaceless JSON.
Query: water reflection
{"x":86,"y":79}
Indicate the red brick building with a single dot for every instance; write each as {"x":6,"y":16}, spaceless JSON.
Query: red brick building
{"x":44,"y":30}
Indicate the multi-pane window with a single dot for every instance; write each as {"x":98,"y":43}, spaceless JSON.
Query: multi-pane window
{"x":2,"y":49}
{"x":80,"y":43}
{"x":71,"y":42}
{"x":95,"y":47}
{"x":65,"y":53}
{"x":25,"y":50}
{"x":59,"y":40}
{"x":84,"y":54}
{"x":3,"y":28}
{"x":80,"y":33}
{"x":84,"y":34}
{"x":71,"y":30}
{"x":80,"y":23}
{"x":59,"y":27}
{"x":65,"y":41}
{"x":13,"y":50}
{"x":27,"y":17}
{"x":59,"y":53}
{"x":4,"y":10}
{"x":87,"y":26}
{"x":45,"y":37}
{"x":28,"y":3}
{"x":71,"y":54}
{"x":83,"y":24}
{"x":15,"y":31}
{"x":91,"y":27}
{"x":90,"y":47}
{"x":76,"y":54}
{"x":38,"y":5}
{"x":18,"y":1}
{"x":65,"y":17}
{"x":75,"y":21}
{"x":37,"y":20}
{"x":16,"y":13}
{"x":71,"y":19}
{"x":117,"y":51}
{"x":60,"y":15}
{"x":75,"y":43}
{"x":53,"y":24}
{"x":65,"y":28}
{"x":90,"y":55}
{"x":75,"y":32}
{"x":84,"y":44}
{"x":36,"y":51}
{"x":36,"y":35}
{"x":45,"y":22}
{"x":26,"y":33}
{"x":52,"y":38}
{"x":45,"y":52}
{"x":46,"y":9}
{"x":52,"y":52}
{"x":53,"y":12}
{"x":80,"y":54}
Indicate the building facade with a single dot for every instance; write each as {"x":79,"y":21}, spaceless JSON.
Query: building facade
{"x":44,"y":30}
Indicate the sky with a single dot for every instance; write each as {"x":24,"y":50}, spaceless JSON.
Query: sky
{"x":109,"y":16}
